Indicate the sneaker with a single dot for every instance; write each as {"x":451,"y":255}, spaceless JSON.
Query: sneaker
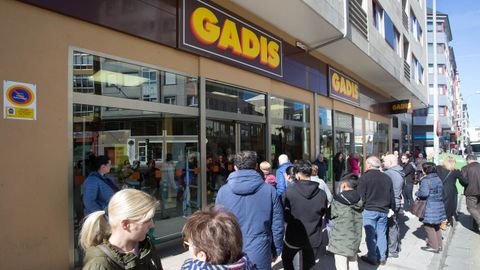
{"x":392,"y":255}
{"x":368,"y":260}
{"x":430,"y":249}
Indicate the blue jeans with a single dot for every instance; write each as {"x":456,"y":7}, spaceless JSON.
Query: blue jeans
{"x":375,"y":224}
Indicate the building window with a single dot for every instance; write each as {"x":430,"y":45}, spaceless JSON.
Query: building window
{"x":377,"y":16}
{"x":395,"y":122}
{"x":430,"y":69}
{"x":170,"y":100}
{"x":430,"y":26}
{"x":222,"y":97}
{"x":440,"y":27}
{"x":392,"y":36}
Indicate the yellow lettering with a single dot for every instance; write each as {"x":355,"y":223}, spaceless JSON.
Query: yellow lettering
{"x":273,"y":57}
{"x":203,"y":24}
{"x":336,"y":82}
{"x":263,"y":51}
{"x":250,"y":44}
{"x":229,"y":38}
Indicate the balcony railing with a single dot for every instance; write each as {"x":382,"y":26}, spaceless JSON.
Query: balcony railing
{"x":406,"y":69}
{"x":358,"y":17}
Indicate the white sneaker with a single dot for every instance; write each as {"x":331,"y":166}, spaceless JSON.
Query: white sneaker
{"x":409,"y":214}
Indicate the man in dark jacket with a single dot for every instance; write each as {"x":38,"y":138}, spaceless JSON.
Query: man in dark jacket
{"x":305,"y":205}
{"x":409,"y":170}
{"x":395,"y":172}
{"x":257,"y":208}
{"x":376,"y":190}
{"x":322,"y":167}
{"x":471,"y":179}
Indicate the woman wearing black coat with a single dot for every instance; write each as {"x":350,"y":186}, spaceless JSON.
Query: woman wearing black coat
{"x":338,"y":166}
{"x":449,"y":176}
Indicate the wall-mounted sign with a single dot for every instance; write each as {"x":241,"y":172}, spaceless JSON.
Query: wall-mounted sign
{"x":342,"y":87}
{"x":215,"y":32}
{"x":400,"y":106}
{"x":19,"y":100}
{"x":394,"y":107}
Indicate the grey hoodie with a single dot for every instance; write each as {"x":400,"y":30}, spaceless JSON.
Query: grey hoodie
{"x":396,"y":175}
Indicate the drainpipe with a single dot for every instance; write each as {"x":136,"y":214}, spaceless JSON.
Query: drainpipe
{"x":344,"y":30}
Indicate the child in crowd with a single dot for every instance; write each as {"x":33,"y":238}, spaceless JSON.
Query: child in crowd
{"x":266,"y":168}
{"x":214,"y":239}
{"x":346,"y":234}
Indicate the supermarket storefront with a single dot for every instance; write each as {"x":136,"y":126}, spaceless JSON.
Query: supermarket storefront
{"x":184,"y":98}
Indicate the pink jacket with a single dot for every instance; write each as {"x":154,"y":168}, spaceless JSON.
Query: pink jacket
{"x":354,"y":165}
{"x":270,"y":179}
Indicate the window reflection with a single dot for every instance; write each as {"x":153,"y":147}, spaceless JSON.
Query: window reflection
{"x":376,"y":138}
{"x":289,"y":110}
{"x":155,"y":152}
{"x":227,"y":98}
{"x":108,"y":77}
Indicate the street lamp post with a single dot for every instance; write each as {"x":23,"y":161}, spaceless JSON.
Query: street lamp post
{"x":436,"y":143}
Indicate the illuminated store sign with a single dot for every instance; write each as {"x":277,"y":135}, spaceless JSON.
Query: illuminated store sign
{"x":400,"y":106}
{"x":211,"y":31}
{"x":343,"y":87}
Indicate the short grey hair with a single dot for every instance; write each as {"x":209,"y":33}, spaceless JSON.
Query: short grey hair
{"x":391,"y":159}
{"x":374,"y":162}
{"x":282,"y":159}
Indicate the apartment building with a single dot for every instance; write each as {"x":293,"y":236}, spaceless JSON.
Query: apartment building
{"x":448,"y":89}
{"x":191,"y":83}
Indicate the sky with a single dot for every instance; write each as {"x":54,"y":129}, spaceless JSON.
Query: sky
{"x":464,"y":17}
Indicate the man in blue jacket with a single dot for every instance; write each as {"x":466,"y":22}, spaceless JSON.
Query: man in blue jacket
{"x":283,"y":163}
{"x":98,"y":188}
{"x":257,"y":208}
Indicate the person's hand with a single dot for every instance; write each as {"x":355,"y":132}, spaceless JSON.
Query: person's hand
{"x":274,"y":258}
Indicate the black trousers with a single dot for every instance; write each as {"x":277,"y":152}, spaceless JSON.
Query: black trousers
{"x":307,"y":258}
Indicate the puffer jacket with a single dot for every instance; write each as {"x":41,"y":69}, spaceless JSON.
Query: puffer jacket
{"x":431,"y":189}
{"x":259,"y":212}
{"x":281,"y":181}
{"x":396,"y":175}
{"x":243,"y":264}
{"x":346,"y":215}
{"x":106,"y":257}
{"x":471,"y":175}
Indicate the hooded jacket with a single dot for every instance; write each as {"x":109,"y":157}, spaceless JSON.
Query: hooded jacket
{"x":396,"y":175}
{"x":106,"y":257}
{"x":243,"y":264}
{"x":259,"y":213}
{"x":281,"y":181}
{"x":305,"y":205}
{"x":346,"y":215}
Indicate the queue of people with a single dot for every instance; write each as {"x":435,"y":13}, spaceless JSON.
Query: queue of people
{"x":259,"y":217}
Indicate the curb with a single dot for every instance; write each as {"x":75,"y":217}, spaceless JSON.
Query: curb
{"x":450,"y":232}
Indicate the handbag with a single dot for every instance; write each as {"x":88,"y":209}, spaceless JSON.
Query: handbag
{"x":418,"y":208}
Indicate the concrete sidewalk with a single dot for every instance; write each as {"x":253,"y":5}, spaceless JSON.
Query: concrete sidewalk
{"x":463,"y":253}
{"x":411,"y":256}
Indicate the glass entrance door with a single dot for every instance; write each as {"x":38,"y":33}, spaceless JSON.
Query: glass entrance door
{"x":252,"y":137}
{"x":224,"y":139}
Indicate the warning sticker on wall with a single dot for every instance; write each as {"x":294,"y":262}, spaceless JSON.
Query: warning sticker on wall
{"x":19,"y":100}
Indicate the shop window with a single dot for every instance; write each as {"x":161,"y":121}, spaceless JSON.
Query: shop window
{"x":152,"y":151}
{"x":376,"y":138}
{"x":114,"y":78}
{"x":285,"y":109}
{"x":228,"y":98}
{"x":326,"y":131}
{"x":290,"y":132}
{"x":395,"y":122}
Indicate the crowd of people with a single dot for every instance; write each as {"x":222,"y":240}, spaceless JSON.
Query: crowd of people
{"x":259,"y":216}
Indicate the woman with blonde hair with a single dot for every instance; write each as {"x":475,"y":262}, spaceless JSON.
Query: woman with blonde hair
{"x":117,"y":238}
{"x":449,"y":175}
